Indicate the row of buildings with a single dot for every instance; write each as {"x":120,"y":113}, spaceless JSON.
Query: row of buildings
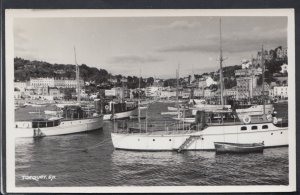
{"x":44,"y":88}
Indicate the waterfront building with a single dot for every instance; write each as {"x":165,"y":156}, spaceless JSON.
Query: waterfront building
{"x":245,"y":86}
{"x":281,"y":91}
{"x":209,"y":81}
{"x":258,"y":91}
{"x":202,"y":84}
{"x":51,"y":82}
{"x":208,"y":93}
{"x":29,"y":91}
{"x":284,"y":68}
{"x":185,"y":93}
{"x":118,"y":92}
{"x":42,"y":82}
{"x":281,"y":52}
{"x":199,"y":92}
{"x":54,"y":92}
{"x":231,"y":92}
{"x":20,"y":85}
{"x":17,"y":93}
{"x":41,"y":91}
{"x":68,"y":83}
{"x":167,"y":94}
{"x":246,"y":79}
{"x":153,"y":91}
{"x":248,"y":71}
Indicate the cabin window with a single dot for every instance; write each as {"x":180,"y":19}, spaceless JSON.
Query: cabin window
{"x":265,"y":127}
{"x":154,"y":140}
{"x":244,"y":128}
{"x":170,"y":140}
{"x":16,"y":126}
{"x":254,"y":127}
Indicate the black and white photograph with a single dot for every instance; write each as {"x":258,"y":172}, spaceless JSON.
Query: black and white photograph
{"x":150,"y":100}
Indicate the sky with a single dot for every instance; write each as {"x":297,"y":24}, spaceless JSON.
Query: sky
{"x":154,"y":45}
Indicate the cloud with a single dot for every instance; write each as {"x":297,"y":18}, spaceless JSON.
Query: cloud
{"x":174,"y":25}
{"x":234,"y":42}
{"x":134,"y":59}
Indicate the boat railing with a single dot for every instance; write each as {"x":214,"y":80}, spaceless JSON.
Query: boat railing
{"x":169,"y":127}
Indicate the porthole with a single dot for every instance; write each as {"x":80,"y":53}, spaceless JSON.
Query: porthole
{"x":202,"y":138}
{"x":138,"y":139}
{"x":254,"y":128}
{"x":154,"y":140}
{"x":280,"y":132}
{"x":170,"y":140}
{"x":243,"y":128}
{"x":271,"y":133}
{"x":16,"y":126}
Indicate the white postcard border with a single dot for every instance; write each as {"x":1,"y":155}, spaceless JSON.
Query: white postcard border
{"x":10,"y":14}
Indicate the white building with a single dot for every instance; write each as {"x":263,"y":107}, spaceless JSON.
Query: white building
{"x":117,"y":92}
{"x":167,"y":94}
{"x":284,"y":68}
{"x":153,"y":91}
{"x":281,"y":91}
{"x":17,"y":93}
{"x":51,"y":82}
{"x":231,"y":92}
{"x":20,"y":85}
{"x":210,"y":81}
{"x":42,"y":82}
{"x":246,"y":64}
{"x":199,"y":92}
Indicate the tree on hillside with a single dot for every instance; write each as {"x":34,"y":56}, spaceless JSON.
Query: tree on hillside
{"x":150,"y":81}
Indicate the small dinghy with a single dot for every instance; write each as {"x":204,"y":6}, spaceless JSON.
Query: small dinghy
{"x":225,"y":147}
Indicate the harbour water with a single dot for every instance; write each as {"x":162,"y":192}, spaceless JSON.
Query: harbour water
{"x":88,"y":159}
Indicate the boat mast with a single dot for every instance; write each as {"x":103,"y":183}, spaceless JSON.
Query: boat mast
{"x":263,"y":78}
{"x":139,"y":110}
{"x":177,"y":90}
{"x":221,"y":65}
{"x":77,"y":77}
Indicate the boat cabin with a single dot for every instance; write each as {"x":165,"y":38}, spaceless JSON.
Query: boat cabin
{"x":75,"y":113}
{"x":43,"y":123}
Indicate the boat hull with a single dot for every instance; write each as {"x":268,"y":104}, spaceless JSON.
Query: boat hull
{"x":167,"y":141}
{"x":120,"y":115}
{"x":225,"y":147}
{"x":172,"y":108}
{"x":24,"y":129}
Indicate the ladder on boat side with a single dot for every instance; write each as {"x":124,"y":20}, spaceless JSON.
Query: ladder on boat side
{"x":188,"y":142}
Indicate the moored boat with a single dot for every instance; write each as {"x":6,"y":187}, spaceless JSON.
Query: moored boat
{"x":226,"y":147}
{"x":116,"y":110}
{"x":200,"y":136}
{"x":74,"y":120}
